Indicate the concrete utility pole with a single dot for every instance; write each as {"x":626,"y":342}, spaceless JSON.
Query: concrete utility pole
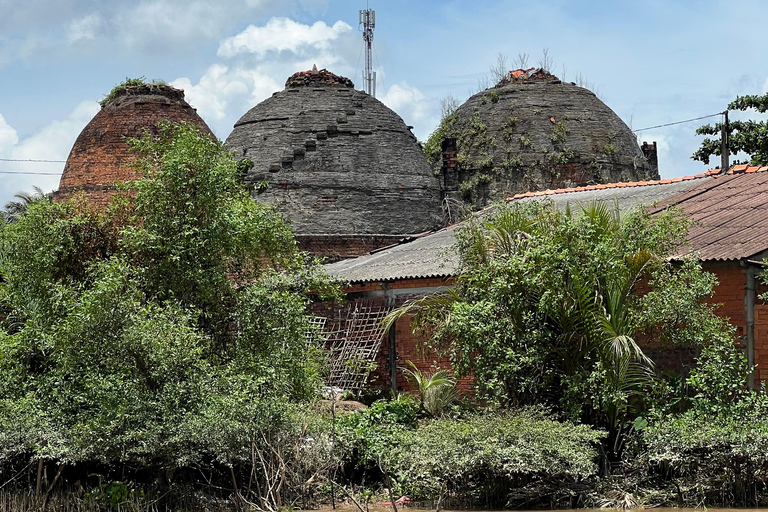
{"x":368,"y":21}
{"x":724,"y":164}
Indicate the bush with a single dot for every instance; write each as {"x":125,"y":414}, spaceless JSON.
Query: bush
{"x":365,"y":437}
{"x":165,"y":333}
{"x":713,"y":460}
{"x":484,"y":457}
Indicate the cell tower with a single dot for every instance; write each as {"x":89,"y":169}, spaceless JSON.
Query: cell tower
{"x":368,"y":21}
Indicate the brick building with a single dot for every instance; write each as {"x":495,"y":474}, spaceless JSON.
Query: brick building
{"x":340,"y":165}
{"x":100,"y":156}
{"x":730,"y":236}
{"x":533,"y":131}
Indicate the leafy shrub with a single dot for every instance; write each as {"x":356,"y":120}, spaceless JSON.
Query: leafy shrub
{"x":366,"y":436}
{"x":719,"y":459}
{"x":550,"y":306}
{"x":128,"y":82}
{"x":483,"y":457}
{"x":436,"y":390}
{"x":166,"y":332}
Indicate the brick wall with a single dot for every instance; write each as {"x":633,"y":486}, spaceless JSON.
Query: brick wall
{"x":100,"y":156}
{"x":730,"y":293}
{"x":729,"y":297}
{"x":409,"y":347}
{"x":340,"y":247}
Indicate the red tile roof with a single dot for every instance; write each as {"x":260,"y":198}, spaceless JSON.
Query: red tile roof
{"x":602,"y":186}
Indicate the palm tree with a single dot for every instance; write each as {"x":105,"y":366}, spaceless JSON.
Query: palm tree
{"x":15,"y":209}
{"x":436,"y":391}
{"x":593,"y":323}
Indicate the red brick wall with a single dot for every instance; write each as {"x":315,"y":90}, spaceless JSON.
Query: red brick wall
{"x":409,"y":346}
{"x":729,"y":297}
{"x":730,"y":293}
{"x":408,"y":349}
{"x":100,"y":156}
{"x":339,"y":247}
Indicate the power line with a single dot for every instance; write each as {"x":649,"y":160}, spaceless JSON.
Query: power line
{"x":35,"y":173}
{"x":678,"y":122}
{"x":33,"y":160}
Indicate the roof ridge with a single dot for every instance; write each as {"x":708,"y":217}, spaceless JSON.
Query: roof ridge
{"x":735,"y":169}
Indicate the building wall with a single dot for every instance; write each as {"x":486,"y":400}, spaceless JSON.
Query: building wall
{"x":408,"y":345}
{"x":730,"y":293}
{"x":409,"y":349}
{"x":729,"y":298}
{"x":339,"y":247}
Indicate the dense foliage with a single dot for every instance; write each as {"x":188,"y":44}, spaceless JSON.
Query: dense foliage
{"x":551,"y":305}
{"x":749,"y":136}
{"x":484,"y":457}
{"x":165,"y":332}
{"x":474,"y":459}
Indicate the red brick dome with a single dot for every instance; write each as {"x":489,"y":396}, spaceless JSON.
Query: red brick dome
{"x":100,"y":156}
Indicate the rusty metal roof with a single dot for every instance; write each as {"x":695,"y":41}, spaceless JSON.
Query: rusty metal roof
{"x":730,"y":212}
{"x":434,"y":255}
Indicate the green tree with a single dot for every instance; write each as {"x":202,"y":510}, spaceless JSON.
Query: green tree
{"x":164,"y":332}
{"x":550,"y":305}
{"x":750,"y":137}
{"x":19,"y":206}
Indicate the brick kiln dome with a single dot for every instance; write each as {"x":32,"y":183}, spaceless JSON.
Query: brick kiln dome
{"x":337,"y":162}
{"x":534,"y":132}
{"x":100,"y":156}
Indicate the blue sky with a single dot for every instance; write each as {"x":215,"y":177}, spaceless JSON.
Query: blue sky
{"x":652,"y":62}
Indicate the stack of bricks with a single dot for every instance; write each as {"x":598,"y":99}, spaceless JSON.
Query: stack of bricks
{"x":313,"y":77}
{"x":101,"y":157}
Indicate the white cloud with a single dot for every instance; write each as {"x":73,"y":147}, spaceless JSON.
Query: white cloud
{"x":222,"y":88}
{"x":53,"y":142}
{"x":84,"y":28}
{"x":282,"y":34}
{"x":154,"y":23}
{"x":8,"y":136}
{"x":414,"y":107}
{"x":253,"y":72}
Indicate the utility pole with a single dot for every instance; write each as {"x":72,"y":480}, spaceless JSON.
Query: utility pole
{"x":368,"y":21}
{"x":724,"y":165}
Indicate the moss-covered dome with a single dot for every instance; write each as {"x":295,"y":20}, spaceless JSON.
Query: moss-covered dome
{"x":534,"y":132}
{"x":101,"y":157}
{"x":336,"y":161}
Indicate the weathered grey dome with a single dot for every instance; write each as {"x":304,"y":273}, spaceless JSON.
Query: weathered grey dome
{"x":337,"y":161}
{"x":534,"y":132}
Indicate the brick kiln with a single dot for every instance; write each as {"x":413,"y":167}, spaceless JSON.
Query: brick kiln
{"x":342,"y":167}
{"x":101,"y":157}
{"x":532,"y":132}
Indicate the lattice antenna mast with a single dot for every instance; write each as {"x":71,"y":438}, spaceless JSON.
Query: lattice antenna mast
{"x":368,"y":21}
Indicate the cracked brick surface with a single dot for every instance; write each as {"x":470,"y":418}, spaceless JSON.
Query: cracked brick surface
{"x":337,"y":161}
{"x":100,"y":156}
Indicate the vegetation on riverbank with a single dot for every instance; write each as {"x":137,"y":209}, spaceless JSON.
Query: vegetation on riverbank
{"x":154,"y":355}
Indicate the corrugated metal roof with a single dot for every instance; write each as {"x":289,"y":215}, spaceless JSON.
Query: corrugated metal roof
{"x":433,"y":255}
{"x":429,"y":256}
{"x":731,"y":214}
{"x":626,"y":197}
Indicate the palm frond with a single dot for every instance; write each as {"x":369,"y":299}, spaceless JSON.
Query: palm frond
{"x":436,"y":390}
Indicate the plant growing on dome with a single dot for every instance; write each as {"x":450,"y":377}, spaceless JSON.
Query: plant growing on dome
{"x":128,"y":82}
